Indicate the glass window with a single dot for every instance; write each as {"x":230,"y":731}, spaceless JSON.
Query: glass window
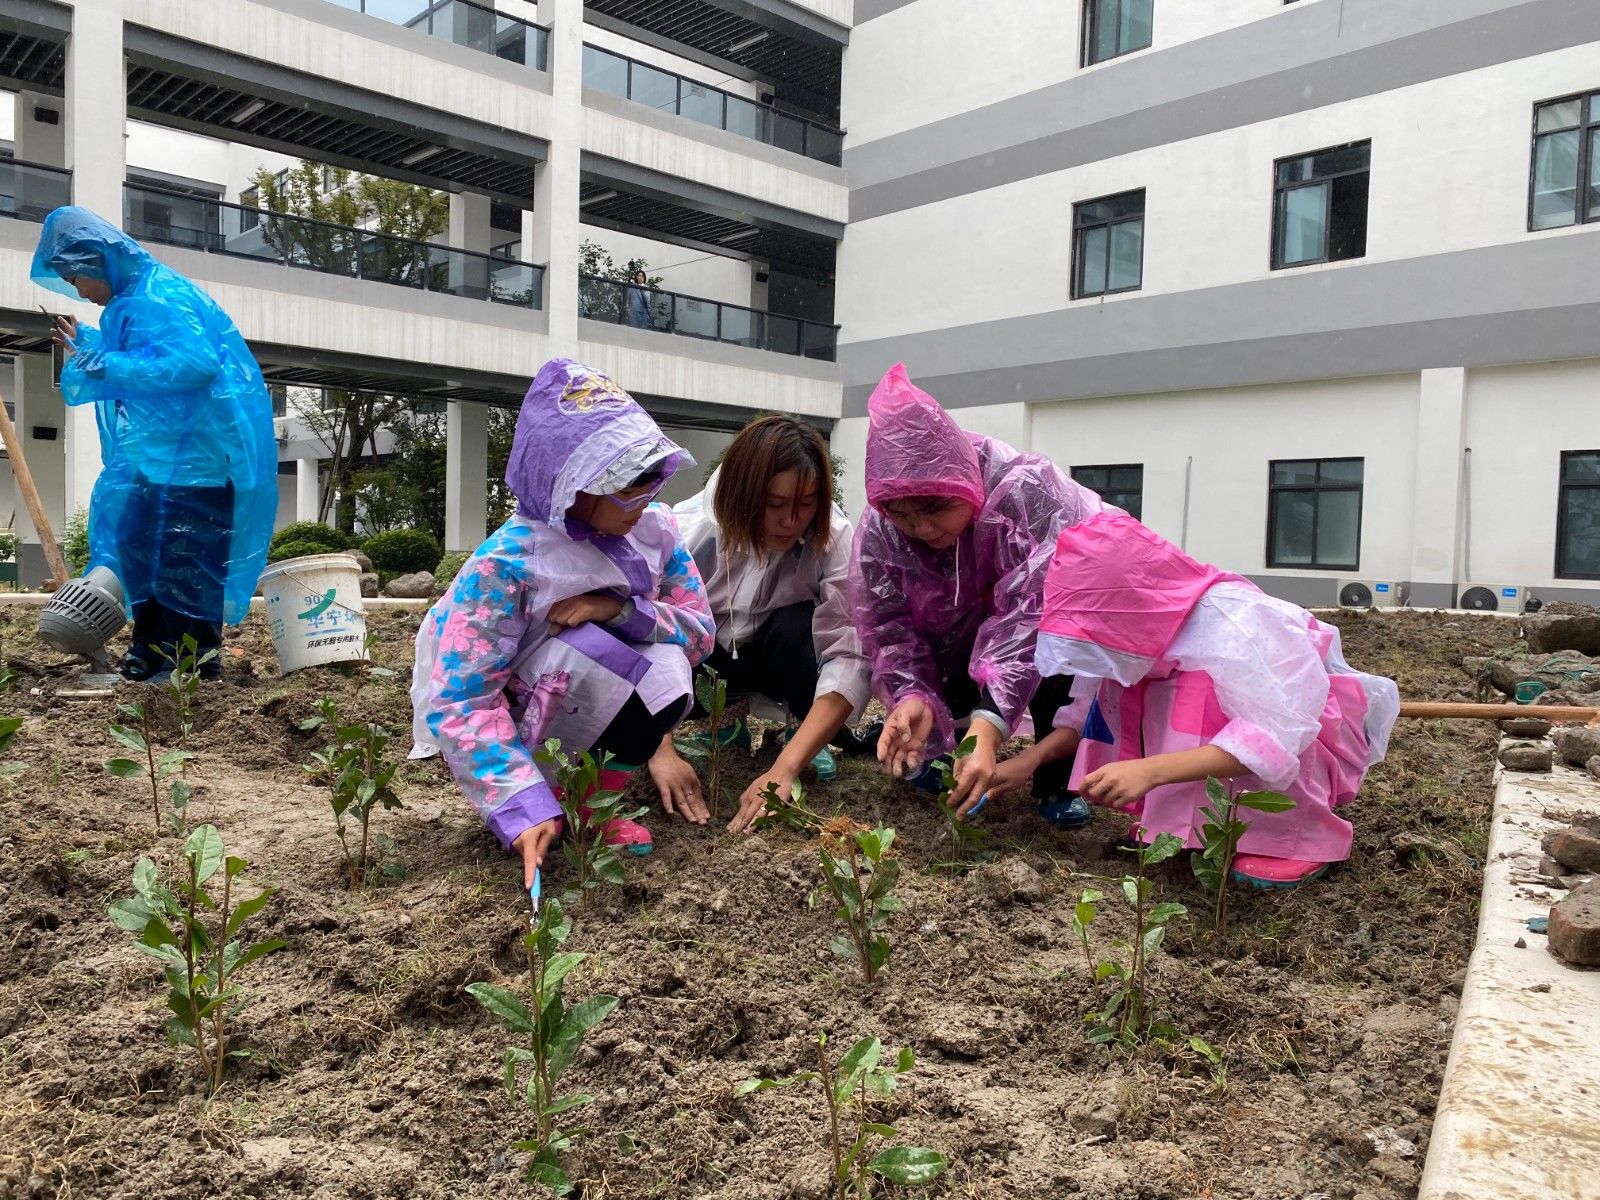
{"x":1578,"y":516}
{"x":1564,"y":179}
{"x":1314,"y":513}
{"x":1120,"y":485}
{"x":700,"y":103}
{"x":1320,"y":214}
{"x":1108,"y":245}
{"x":658,"y":89}
{"x":605,"y":72}
{"x":1115,"y":27}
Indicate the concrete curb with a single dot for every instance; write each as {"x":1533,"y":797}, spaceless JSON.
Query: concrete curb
{"x":1519,"y":1109}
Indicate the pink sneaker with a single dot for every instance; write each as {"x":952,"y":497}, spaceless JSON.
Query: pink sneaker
{"x":625,"y":835}
{"x":1263,"y":871}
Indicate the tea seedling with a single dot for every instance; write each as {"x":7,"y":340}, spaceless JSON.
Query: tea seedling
{"x":1083,"y":915}
{"x":850,"y":1086}
{"x":1126,"y":1016}
{"x":158,"y":769}
{"x":860,"y":881}
{"x":358,"y":780}
{"x":968,"y":839}
{"x":792,"y":813}
{"x":711,"y":693}
{"x":588,"y":810}
{"x":1220,"y":834}
{"x":554,"y":1034}
{"x":1214,"y":1060}
{"x":184,"y":682}
{"x":202,"y":965}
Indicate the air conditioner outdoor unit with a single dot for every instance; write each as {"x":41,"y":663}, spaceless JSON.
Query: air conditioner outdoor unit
{"x":1491,"y":597}
{"x":1362,"y":593}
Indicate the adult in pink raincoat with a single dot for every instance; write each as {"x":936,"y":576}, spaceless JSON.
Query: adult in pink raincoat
{"x":579,"y":619}
{"x":1201,"y":674}
{"x":946,"y":588}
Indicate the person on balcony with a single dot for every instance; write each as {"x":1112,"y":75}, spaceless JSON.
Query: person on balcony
{"x":774,"y":551}
{"x":641,"y":302}
{"x":1202,"y":675}
{"x":579,"y":619}
{"x":946,"y":583}
{"x":185,"y":501}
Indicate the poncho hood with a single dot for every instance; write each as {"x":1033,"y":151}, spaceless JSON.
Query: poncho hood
{"x":76,"y":241}
{"x":915,"y":449}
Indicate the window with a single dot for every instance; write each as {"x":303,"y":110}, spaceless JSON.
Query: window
{"x":1122,"y":485}
{"x":1320,"y":206}
{"x":250,"y":199}
{"x":1578,"y":516}
{"x":1108,"y":245}
{"x":1565,"y":184}
{"x":1115,"y":27}
{"x":1314,"y":513}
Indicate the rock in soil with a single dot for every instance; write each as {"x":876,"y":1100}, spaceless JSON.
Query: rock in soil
{"x":1575,"y":928}
{"x":1593,"y":767}
{"x":416,"y":586}
{"x":362,"y":561}
{"x":1525,"y":727}
{"x":1526,"y":758}
{"x":1577,"y":744}
{"x":1567,"y":670}
{"x":1547,"y":634}
{"x":1011,"y":881}
{"x":1576,"y":850}
{"x":369,"y":583}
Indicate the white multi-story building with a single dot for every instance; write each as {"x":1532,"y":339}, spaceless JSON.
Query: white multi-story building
{"x":1311,"y":286}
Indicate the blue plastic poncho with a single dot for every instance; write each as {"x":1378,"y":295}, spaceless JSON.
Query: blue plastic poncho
{"x":185,"y":502}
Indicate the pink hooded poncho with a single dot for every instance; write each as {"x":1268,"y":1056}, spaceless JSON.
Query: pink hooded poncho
{"x":925,"y":616}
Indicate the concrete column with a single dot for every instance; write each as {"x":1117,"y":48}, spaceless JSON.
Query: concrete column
{"x":40,"y":414}
{"x":41,"y":137}
{"x":555,"y":235}
{"x":466,"y":475}
{"x":1436,"y":507}
{"x":307,"y":489}
{"x":469,"y":230}
{"x":96,"y":140}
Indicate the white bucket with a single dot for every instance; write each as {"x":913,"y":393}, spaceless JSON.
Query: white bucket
{"x":314,"y":610}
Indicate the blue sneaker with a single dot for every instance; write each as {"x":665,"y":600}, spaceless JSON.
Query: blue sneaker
{"x":1065,"y":811}
{"x":930,"y":778}
{"x":824,"y":764}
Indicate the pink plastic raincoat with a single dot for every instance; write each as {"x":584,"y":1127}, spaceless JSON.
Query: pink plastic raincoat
{"x":928,"y":616}
{"x":1187,"y":655}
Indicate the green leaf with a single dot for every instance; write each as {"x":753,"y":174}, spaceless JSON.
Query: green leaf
{"x":144,"y":876}
{"x":1084,"y":913}
{"x":556,"y":970}
{"x":551,"y":1176}
{"x":131,"y":738}
{"x":1267,"y":802}
{"x":1130,"y":891}
{"x":912,"y":1165}
{"x":877,"y":951}
{"x":8,"y":727}
{"x":174,"y":758}
{"x":1152,"y":940}
{"x":1217,"y":793}
{"x":130,"y":915}
{"x":863,"y":1056}
{"x":1164,"y":847}
{"x":511,"y":1011}
{"x":967,"y":746}
{"x":880,"y":1130}
{"x":842,"y":946}
{"x":180,"y":1033}
{"x":125,"y":768}
{"x":1165,"y":911}
{"x":576,"y":1100}
{"x":246,"y":909}
{"x":584,"y":1016}
{"x":906,"y":1060}
{"x":204,"y":849}
{"x":259,"y":950}
{"x":610,"y":869}
{"x":1205,"y":1049}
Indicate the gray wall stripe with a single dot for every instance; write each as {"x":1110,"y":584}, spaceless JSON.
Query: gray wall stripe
{"x":1528,"y":301}
{"x":867,"y":10}
{"x":1203,"y":87}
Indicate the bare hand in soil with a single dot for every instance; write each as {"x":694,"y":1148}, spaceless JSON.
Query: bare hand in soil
{"x":532,"y":844}
{"x":1011,"y":776}
{"x":973,"y":772}
{"x":1120,"y":784}
{"x":905,"y":734}
{"x":678,"y":784}
{"x":754,"y":801}
{"x":575,"y":610}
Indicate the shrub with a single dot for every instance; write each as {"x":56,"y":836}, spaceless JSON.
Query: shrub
{"x":75,"y":541}
{"x":287,"y":550}
{"x":403,"y":551}
{"x":325,"y":538}
{"x":8,"y":546}
{"x":445,"y":573}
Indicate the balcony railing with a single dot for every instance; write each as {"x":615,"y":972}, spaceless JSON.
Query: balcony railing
{"x":465,"y":24}
{"x":29,"y":191}
{"x":667,"y":91}
{"x":691,"y":316}
{"x":199,"y":223}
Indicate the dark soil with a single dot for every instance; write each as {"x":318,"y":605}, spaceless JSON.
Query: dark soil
{"x":373,"y":1074}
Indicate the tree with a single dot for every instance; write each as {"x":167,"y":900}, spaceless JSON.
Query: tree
{"x":598,"y":276}
{"x":347,"y":425}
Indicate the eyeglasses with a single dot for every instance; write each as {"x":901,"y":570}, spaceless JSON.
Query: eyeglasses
{"x":638,"y":502}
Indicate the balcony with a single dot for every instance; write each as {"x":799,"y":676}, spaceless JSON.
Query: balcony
{"x":465,"y":24}
{"x":215,"y":227}
{"x":710,"y":320}
{"x":666,"y":91}
{"x":28,"y":191}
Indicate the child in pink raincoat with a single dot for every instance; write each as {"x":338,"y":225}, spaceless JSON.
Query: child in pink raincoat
{"x":946,"y":587}
{"x":1201,"y":674}
{"x":578,"y":619}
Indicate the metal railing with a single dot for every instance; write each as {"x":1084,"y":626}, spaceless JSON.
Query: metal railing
{"x":667,"y":91}
{"x":465,"y":24}
{"x":622,"y":303}
{"x":216,"y":227}
{"x":28,"y":191}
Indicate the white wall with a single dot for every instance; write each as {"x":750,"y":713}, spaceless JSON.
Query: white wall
{"x":694,"y":272}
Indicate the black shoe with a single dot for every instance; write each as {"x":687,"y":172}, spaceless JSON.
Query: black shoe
{"x":135,"y":669}
{"x":860,"y":743}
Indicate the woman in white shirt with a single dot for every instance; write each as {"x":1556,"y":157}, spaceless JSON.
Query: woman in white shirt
{"x":774,"y":552}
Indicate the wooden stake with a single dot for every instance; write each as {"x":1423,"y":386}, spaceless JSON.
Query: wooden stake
{"x":30,"y":497}
{"x":1498,"y":712}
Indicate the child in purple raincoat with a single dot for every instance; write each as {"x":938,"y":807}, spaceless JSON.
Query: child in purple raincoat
{"x":579,"y":619}
{"x":946,"y":586}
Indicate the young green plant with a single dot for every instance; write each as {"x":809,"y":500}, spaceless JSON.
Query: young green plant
{"x":554,"y":1032}
{"x":588,"y":809}
{"x":968,"y":839}
{"x":1125,"y":1017}
{"x":183,"y":684}
{"x":851,"y":1086}
{"x":858,"y":872}
{"x":1220,"y":833}
{"x":159,"y":769}
{"x":791,"y":812}
{"x":358,"y":780}
{"x":202,"y":964}
{"x":711,"y":693}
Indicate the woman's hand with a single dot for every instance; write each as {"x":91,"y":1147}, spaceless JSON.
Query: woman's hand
{"x":975,"y":771}
{"x":1121,"y":784}
{"x":532,"y":843}
{"x":575,"y":610}
{"x":64,"y":333}
{"x":754,"y":801}
{"x":678,"y":784}
{"x":905,"y":735}
{"x":1012,"y":775}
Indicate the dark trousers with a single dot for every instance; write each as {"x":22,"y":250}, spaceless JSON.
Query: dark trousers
{"x":635,"y":733}
{"x":172,"y":552}
{"x":157,"y":638}
{"x":963,"y":695}
{"x":779,"y":662}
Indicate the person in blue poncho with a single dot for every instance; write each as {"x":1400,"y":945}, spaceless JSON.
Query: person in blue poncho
{"x":184,"y":506}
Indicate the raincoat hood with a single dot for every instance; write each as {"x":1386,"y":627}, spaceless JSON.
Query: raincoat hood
{"x":76,"y":241}
{"x":915,"y":449}
{"x":580,"y":432}
{"x":1115,"y":596}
